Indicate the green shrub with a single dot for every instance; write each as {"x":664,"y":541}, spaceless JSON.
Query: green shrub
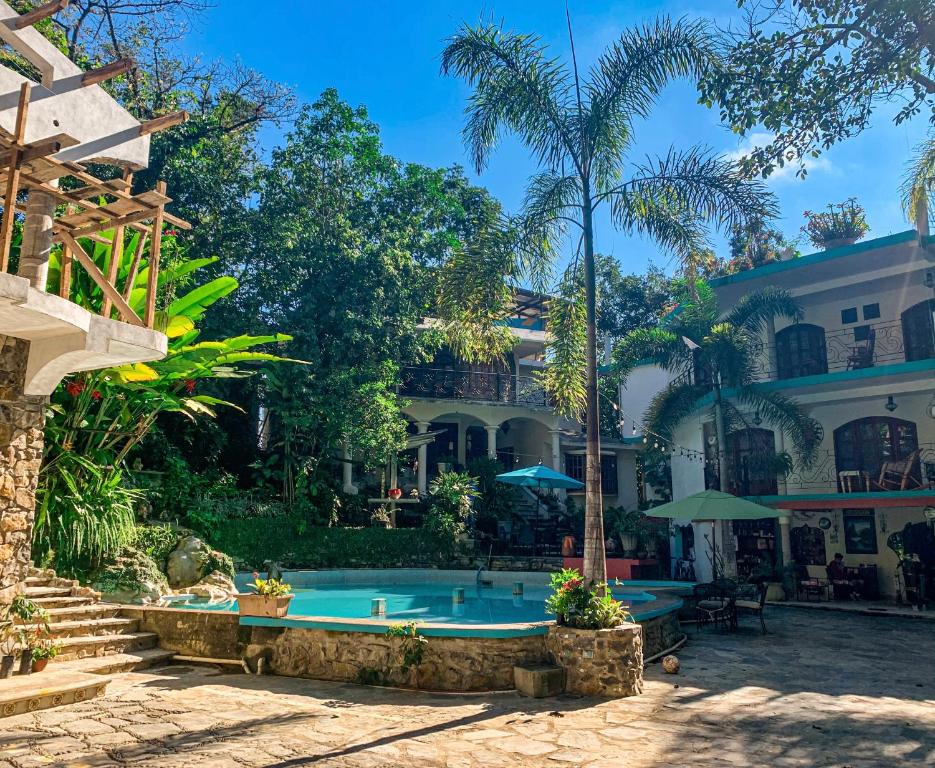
{"x":131,"y":571}
{"x":291,"y":542}
{"x":218,"y":561}
{"x":157,"y":541}
{"x":575,"y":605}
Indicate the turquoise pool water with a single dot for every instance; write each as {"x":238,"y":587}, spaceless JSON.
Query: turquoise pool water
{"x":430,"y":602}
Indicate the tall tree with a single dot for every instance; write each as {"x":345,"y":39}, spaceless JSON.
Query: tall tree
{"x":813,"y":71}
{"x":580,"y":129}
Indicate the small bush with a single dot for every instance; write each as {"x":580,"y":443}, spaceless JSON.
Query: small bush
{"x":157,"y":541}
{"x":218,"y":561}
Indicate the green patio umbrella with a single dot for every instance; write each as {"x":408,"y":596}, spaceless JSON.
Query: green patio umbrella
{"x":711,"y":506}
{"x":539,"y":477}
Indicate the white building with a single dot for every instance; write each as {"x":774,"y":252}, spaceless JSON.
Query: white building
{"x":862,"y":362}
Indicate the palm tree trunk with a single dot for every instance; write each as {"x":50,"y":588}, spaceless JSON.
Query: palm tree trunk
{"x":595,"y":563}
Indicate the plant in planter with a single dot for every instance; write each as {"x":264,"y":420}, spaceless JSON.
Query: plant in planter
{"x":25,"y":622}
{"x":270,"y":598}
{"x":625,"y":525}
{"x":575,"y":605}
{"x":46,"y":650}
{"x":842,"y":224}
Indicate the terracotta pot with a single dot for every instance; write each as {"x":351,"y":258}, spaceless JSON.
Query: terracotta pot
{"x":39,"y":664}
{"x":261,"y":605}
{"x":838,"y":242}
{"x":6,"y":666}
{"x":25,"y":662}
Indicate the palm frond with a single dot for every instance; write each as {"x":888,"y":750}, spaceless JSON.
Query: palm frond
{"x":919,"y":183}
{"x":787,"y":415}
{"x":517,"y":87}
{"x":663,"y":347}
{"x":753,"y":311}
{"x":726,"y":350}
{"x":662,"y":218}
{"x":670,"y":407}
{"x":693,"y":183}
{"x":628,"y":77}
{"x":565,"y":371}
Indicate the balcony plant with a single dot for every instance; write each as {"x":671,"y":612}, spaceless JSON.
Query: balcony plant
{"x":270,"y":598}
{"x":842,"y":224}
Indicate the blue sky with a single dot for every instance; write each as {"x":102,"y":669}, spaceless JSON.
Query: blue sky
{"x":386,"y":55}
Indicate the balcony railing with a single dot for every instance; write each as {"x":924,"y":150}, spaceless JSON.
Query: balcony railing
{"x":486,"y":386}
{"x":824,"y":475}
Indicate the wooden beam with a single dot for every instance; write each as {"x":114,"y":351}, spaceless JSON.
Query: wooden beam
{"x":37,"y":14}
{"x":13,"y":173}
{"x":135,"y":266}
{"x":64,"y":278}
{"x":108,"y":71}
{"x":161,"y":123}
{"x":152,"y":282}
{"x":116,"y":251}
{"x":97,"y":276}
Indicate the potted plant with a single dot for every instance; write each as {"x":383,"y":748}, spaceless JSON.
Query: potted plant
{"x":624,"y":524}
{"x":30,"y":621}
{"x":575,"y":605}
{"x":842,"y":224}
{"x":46,"y":650}
{"x":271,"y":598}
{"x":7,"y":647}
{"x":445,"y":463}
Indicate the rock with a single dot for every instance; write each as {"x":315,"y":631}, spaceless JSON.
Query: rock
{"x":671,"y":664}
{"x":215,"y":586}
{"x":185,"y":563}
{"x":133,"y":577}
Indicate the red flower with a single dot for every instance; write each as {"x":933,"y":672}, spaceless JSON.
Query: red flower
{"x":96,"y":394}
{"x":189,"y":385}
{"x":74,"y":388}
{"x":571,"y":584}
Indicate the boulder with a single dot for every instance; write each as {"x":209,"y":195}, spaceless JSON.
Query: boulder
{"x":215,"y":586}
{"x":133,"y":577}
{"x":185,"y":564}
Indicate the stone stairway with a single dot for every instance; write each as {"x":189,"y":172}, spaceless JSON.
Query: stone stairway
{"x":97,"y":640}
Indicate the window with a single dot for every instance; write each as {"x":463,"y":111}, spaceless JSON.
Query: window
{"x":751,"y":457}
{"x":575,"y":464}
{"x":849,"y":315}
{"x":865,"y":445}
{"x":871,"y":311}
{"x":919,"y":331}
{"x":860,"y":532}
{"x":801,"y":351}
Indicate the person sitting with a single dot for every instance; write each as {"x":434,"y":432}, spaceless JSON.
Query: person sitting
{"x":841,"y":585}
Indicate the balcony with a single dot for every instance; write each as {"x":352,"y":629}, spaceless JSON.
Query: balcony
{"x":485,"y":386}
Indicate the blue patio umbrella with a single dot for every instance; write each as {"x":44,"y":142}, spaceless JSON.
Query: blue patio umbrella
{"x":539,"y":477}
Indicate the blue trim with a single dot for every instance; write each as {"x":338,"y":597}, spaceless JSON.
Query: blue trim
{"x":836,"y":377}
{"x":381,"y":628}
{"x":816,"y":258}
{"x":656,"y":612}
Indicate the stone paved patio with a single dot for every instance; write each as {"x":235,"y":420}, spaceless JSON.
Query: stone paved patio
{"x":822,"y":689}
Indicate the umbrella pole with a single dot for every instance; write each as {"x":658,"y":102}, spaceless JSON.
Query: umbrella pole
{"x":535,"y":535}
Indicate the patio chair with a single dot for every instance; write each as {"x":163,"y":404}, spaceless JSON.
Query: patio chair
{"x":861,"y":354}
{"x":712,"y":606}
{"x":753,"y":603}
{"x":809,"y":585}
{"x":900,"y":475}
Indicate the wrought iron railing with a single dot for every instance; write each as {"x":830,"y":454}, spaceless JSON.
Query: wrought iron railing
{"x":447,"y":384}
{"x":825,"y":476}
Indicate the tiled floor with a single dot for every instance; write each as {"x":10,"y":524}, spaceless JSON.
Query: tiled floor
{"x":822,"y":689}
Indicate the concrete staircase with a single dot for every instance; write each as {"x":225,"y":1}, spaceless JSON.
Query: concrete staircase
{"x":97,"y":640}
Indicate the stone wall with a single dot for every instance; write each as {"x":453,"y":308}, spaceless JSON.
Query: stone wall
{"x":661,"y":633}
{"x":210,"y":634}
{"x":603,"y":662}
{"x":21,"y":424}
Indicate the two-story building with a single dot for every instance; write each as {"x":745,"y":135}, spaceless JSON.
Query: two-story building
{"x":862,"y":363}
{"x":458,"y":412}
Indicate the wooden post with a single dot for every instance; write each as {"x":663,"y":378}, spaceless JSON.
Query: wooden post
{"x":135,"y":265}
{"x":116,"y":252}
{"x":155,"y":245}
{"x":97,"y":276}
{"x":64,"y":276}
{"x":12,"y":183}
{"x":37,"y":14}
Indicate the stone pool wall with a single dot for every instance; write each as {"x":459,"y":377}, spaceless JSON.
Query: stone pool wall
{"x":660,"y":633}
{"x":604,"y":662}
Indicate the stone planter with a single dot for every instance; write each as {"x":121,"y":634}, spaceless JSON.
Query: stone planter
{"x":599,"y":662}
{"x":261,"y":605}
{"x":837,"y":242}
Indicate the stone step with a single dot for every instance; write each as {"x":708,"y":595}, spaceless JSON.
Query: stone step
{"x":63,"y":602}
{"x":37,"y":581}
{"x":50,"y":688}
{"x":39,"y":592}
{"x":82,"y":646}
{"x":86,"y":611}
{"x":93,"y":627}
{"x":120,"y":662}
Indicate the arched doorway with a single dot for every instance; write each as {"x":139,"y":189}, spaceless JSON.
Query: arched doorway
{"x":919,"y":331}
{"x":801,"y":351}
{"x":865,"y":445}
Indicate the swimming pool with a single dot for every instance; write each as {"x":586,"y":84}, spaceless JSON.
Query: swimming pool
{"x":435,"y":596}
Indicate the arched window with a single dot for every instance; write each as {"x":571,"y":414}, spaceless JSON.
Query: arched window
{"x":751,"y":454}
{"x":919,"y":331}
{"x":866,"y":445}
{"x":801,"y":351}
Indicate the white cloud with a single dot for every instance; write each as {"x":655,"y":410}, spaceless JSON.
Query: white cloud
{"x":788,"y":171}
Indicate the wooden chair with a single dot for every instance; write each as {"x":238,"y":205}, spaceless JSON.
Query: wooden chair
{"x":861,"y":354}
{"x":900,"y":475}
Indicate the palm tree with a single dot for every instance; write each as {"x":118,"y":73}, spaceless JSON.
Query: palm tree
{"x":713,"y":362}
{"x":580,"y":129}
{"x":919,"y":182}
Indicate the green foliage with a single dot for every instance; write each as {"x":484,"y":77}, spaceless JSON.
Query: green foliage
{"x":450,"y":497}
{"x":269,"y":587}
{"x":412,"y":646}
{"x":220,"y":562}
{"x":576,"y":605}
{"x":602,"y":612}
{"x":292,"y":542}
{"x":131,"y":570}
{"x":812,"y":72}
{"x":754,"y":245}
{"x":156,"y":541}
{"x":566,"y":349}
{"x":46,"y":649}
{"x":919,"y":183}
{"x":844,"y":220}
{"x":495,"y":500}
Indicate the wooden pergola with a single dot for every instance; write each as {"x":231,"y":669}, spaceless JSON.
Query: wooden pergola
{"x":87,"y":206}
